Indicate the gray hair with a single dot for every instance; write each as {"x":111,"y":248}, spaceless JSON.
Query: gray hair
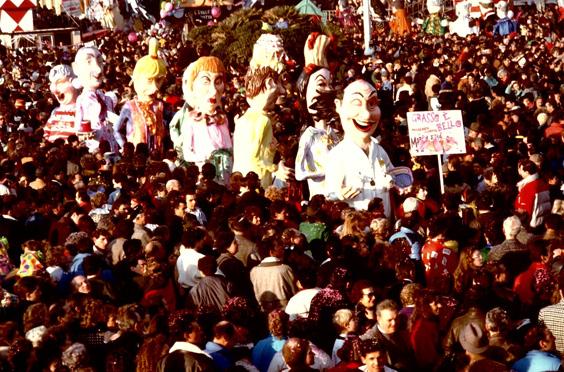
{"x":497,"y":320}
{"x":511,"y":226}
{"x":60,"y":72}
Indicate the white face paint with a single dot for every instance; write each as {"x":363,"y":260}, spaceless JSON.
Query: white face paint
{"x":64,"y":91}
{"x":359,"y":110}
{"x":89,"y":67}
{"x":147,"y":87}
{"x":207,"y":90}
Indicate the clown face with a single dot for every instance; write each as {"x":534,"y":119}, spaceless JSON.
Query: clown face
{"x":207,"y":90}
{"x":147,"y":87}
{"x":64,"y":91}
{"x":358,"y":110}
{"x":318,"y":81}
{"x":89,"y":67}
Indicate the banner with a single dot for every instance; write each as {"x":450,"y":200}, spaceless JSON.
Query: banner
{"x":72,"y":8}
{"x":436,"y":132}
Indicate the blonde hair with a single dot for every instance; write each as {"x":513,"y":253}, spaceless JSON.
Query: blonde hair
{"x":211,"y":64}
{"x":151,"y":65}
{"x":342,"y":318}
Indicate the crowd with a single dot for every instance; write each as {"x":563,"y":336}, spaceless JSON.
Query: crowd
{"x":131,"y":260}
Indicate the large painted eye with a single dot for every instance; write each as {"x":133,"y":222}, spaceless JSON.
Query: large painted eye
{"x":356,"y":102}
{"x":372,"y":102}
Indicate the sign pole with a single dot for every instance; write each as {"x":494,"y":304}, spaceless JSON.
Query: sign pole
{"x":441,"y":176}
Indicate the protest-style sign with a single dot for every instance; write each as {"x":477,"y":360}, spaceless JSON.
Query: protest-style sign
{"x":436,"y":133}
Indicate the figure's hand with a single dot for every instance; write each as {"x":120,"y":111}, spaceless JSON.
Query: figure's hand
{"x":284,"y":173}
{"x":349,"y":192}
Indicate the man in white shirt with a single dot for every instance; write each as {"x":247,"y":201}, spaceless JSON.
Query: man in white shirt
{"x":193,"y":241}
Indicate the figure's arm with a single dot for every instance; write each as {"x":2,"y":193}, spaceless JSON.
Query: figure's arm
{"x":305,"y":165}
{"x":123,"y":120}
{"x":175,"y":128}
{"x":262,"y":137}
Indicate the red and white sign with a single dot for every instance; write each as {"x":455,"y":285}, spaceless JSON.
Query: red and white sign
{"x":16,"y":15}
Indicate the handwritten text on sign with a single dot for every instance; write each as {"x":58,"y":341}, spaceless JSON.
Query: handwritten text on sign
{"x":436,"y":132}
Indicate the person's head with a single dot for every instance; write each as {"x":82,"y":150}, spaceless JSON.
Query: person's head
{"x":539,"y":337}
{"x":408,"y":293}
{"x":386,"y":316}
{"x":80,"y":284}
{"x":263,"y":87}
{"x":172,"y":185}
{"x":224,"y":334}
{"x":203,"y":84}
{"x":196,"y":238}
{"x":476,"y":258}
{"x":207,"y":265}
{"x":497,"y":322}
{"x":191,"y":202}
{"x":183,"y":326}
{"x":149,"y":73}
{"x":473,"y":339}
{"x":511,"y":227}
{"x":363,"y":293}
{"x":100,"y":239}
{"x":526,"y":168}
{"x":297,"y":353}
{"x":344,"y":321}
{"x":359,"y":111}
{"x":225,"y":242}
{"x":278,"y":323}
{"x":130,"y":318}
{"x":88,"y":67}
{"x":373,"y":355}
{"x":60,"y":78}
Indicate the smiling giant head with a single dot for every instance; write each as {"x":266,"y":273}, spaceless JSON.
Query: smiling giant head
{"x":359,"y":111}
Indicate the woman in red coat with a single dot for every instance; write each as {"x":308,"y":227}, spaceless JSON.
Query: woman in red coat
{"x":424,"y":330}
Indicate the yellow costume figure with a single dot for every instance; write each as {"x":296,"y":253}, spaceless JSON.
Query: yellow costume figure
{"x":142,"y":117}
{"x":253,"y":142}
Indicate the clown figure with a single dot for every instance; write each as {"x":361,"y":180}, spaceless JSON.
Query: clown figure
{"x":253,"y":139}
{"x":199,"y":131}
{"x":319,"y":138}
{"x":142,"y":117}
{"x":359,"y":165}
{"x":505,"y":25}
{"x":464,"y":25}
{"x":92,"y":105}
{"x":434,"y":25}
{"x":62,"y":119}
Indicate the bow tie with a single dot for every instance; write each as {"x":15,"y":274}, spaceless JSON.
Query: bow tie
{"x":217,"y":118}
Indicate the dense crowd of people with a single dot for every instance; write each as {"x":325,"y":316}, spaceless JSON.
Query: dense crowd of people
{"x":131,"y":260}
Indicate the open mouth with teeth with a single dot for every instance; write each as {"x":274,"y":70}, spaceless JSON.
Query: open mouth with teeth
{"x":364,"y":126}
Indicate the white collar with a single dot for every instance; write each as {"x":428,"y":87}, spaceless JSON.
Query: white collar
{"x":187,"y":346}
{"x":526,"y":180}
{"x":270,"y":259}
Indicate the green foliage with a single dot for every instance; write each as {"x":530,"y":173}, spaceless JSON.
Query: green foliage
{"x":232,"y":39}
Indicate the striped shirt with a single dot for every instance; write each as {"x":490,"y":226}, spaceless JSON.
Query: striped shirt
{"x":553,"y":317}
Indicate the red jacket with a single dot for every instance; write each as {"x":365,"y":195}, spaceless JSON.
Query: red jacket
{"x":439,"y":260}
{"x":534,"y":199}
